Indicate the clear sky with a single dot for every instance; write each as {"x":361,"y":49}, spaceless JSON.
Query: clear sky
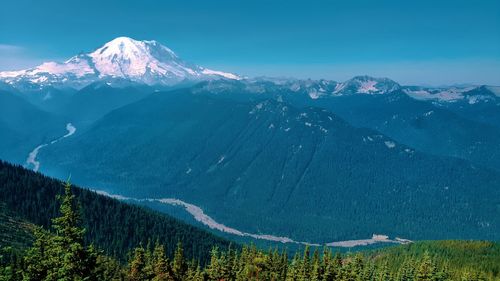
{"x":413,"y":42}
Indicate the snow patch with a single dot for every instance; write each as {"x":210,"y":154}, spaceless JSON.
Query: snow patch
{"x":390,"y":144}
{"x":367,"y":87}
{"x":220,"y":73}
{"x":221,"y":159}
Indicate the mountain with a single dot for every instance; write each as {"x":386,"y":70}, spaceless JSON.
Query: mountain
{"x":481,"y":104}
{"x":268,"y":167}
{"x":23,"y":126}
{"x":146,"y":62}
{"x":470,"y":94}
{"x":425,"y":126}
{"x":366,"y":85}
{"x":28,"y":198}
{"x":436,"y":126}
{"x":97,"y":99}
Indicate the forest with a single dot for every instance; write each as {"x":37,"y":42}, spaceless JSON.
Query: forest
{"x":113,"y":226}
{"x":60,"y":251}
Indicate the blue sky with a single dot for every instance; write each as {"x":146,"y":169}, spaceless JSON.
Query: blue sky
{"x":414,"y":42}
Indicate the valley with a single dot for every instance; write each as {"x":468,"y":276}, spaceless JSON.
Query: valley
{"x":226,"y":156}
{"x":265,"y":157}
{"x":208,"y":221}
{"x":250,"y":140}
{"x":211,"y":223}
{"x":33,"y":162}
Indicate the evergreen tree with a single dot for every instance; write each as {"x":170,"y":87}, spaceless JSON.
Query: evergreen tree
{"x":179,"y":265}
{"x":108,"y":269}
{"x":293,"y":271}
{"x":62,"y":256}
{"x":137,"y":265}
{"x":406,"y":272}
{"x":426,"y":270}
{"x":37,"y":259}
{"x":161,"y":266}
{"x":316,"y":267}
{"x":384,"y":273}
{"x":305,"y":266}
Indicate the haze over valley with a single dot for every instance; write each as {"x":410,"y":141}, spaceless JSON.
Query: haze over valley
{"x":250,"y":140}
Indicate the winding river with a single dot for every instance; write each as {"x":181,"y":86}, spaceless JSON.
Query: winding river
{"x":31,"y":161}
{"x":208,"y":221}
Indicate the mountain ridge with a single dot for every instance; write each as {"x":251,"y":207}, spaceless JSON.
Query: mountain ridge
{"x":229,"y":157}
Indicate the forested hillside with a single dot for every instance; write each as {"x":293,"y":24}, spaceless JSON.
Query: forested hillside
{"x":269,"y":167}
{"x":458,"y":256}
{"x":60,"y":253}
{"x":112,"y":226}
{"x":23,"y":126}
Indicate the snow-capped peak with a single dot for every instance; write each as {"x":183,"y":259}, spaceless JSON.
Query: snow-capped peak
{"x":126,"y":57}
{"x":146,"y":62}
{"x":367,"y":85}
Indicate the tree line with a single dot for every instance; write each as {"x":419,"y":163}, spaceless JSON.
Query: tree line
{"x":112,"y":226}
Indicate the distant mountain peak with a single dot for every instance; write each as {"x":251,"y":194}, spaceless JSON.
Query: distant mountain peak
{"x":144,"y":61}
{"x":366,"y":85}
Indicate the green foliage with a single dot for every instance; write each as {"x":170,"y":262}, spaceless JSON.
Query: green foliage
{"x":442,"y":260}
{"x":14,"y":231}
{"x":112,"y":226}
{"x":62,"y":254}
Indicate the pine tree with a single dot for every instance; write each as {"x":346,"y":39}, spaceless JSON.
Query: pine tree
{"x":333,"y":267}
{"x":384,"y":273}
{"x":137,"y":265}
{"x":442,"y":274}
{"x":283,"y":265}
{"x":426,"y":270}
{"x":37,"y":259}
{"x":160,"y":264}
{"x":108,"y":269}
{"x":407,"y":271}
{"x":316,"y":267}
{"x":195,"y":274}
{"x":358,"y":266}
{"x":77,"y":262}
{"x":179,"y":265}
{"x":305,"y":267}
{"x":62,"y":256}
{"x":293,"y":270}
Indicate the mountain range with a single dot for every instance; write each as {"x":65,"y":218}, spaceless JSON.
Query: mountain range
{"x":265,"y":155}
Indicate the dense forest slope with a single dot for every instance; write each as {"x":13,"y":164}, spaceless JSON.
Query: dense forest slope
{"x":23,"y":126}
{"x":14,"y":232}
{"x":112,"y":226}
{"x":269,"y":167}
{"x":422,"y":125}
{"x":457,"y":256}
{"x":63,"y":255}
{"x":466,"y":128}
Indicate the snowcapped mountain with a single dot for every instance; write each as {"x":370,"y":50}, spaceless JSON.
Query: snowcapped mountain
{"x":367,"y":85}
{"x":315,"y":89}
{"x":146,"y":62}
{"x":471,"y":95}
{"x":124,"y":60}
